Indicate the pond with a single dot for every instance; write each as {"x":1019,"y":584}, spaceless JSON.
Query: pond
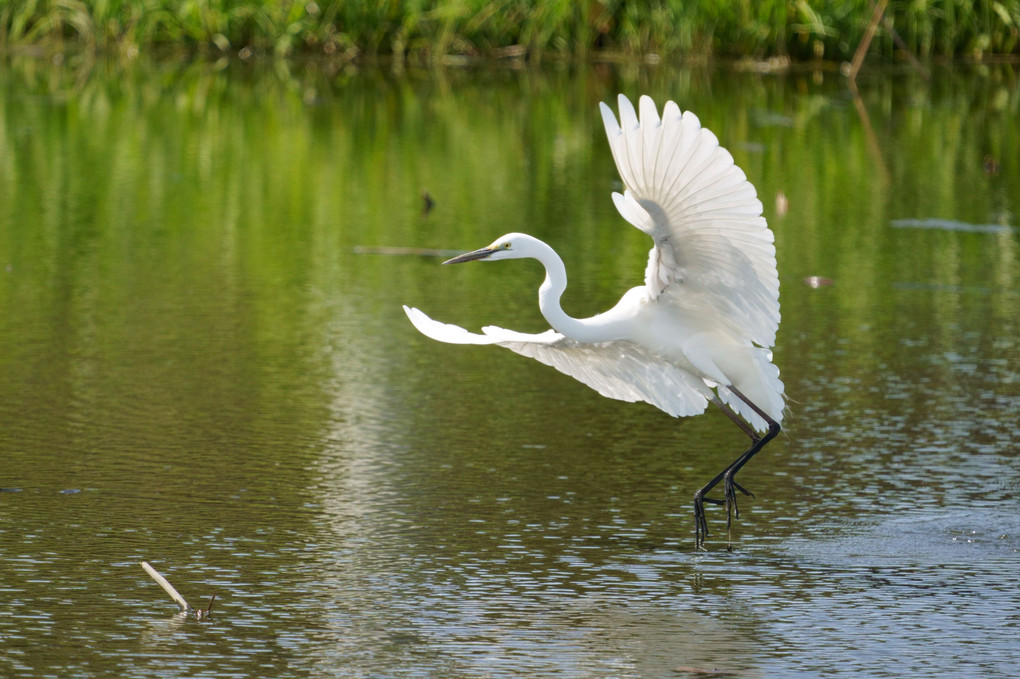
{"x":205,"y":365}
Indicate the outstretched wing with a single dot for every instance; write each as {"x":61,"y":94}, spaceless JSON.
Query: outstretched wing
{"x":713,"y":253}
{"x":620,"y":370}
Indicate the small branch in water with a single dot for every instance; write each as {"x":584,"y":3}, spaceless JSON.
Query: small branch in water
{"x":200,"y":614}
{"x":167,"y":587}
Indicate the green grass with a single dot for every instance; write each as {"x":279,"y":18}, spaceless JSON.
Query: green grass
{"x":429,"y":30}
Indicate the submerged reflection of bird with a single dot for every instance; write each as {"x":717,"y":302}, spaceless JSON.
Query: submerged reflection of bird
{"x":700,"y":328}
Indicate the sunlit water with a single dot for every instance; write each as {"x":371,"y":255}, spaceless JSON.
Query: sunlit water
{"x":201,"y":367}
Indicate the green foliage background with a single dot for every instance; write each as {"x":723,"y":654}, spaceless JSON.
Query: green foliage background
{"x":438,"y":30}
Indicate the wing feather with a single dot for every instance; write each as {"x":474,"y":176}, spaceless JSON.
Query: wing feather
{"x":712,"y":245}
{"x":618,"y":370}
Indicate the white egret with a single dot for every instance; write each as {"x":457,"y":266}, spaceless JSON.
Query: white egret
{"x":700,"y":328}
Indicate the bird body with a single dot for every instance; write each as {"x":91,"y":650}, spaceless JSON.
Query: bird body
{"x":700,"y":328}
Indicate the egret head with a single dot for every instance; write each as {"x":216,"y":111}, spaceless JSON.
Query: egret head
{"x":510,"y":246}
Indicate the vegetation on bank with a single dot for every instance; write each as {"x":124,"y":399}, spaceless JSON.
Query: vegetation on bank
{"x":428,"y":30}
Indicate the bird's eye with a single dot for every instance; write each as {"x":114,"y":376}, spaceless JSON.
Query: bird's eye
{"x":506,"y":246}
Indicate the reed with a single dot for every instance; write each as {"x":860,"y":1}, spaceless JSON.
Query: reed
{"x":434,"y":30}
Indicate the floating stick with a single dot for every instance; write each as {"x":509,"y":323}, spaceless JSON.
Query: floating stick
{"x":167,"y":587}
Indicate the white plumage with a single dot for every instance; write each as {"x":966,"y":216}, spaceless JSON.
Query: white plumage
{"x":622,"y":370}
{"x":701,"y":327}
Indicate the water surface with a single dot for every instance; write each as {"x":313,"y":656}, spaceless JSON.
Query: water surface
{"x":201,"y":367}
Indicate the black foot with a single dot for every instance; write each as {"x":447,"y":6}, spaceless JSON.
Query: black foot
{"x":700,"y":522}
{"x":730,"y":488}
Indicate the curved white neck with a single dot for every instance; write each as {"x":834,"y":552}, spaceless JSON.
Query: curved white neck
{"x":591,"y":329}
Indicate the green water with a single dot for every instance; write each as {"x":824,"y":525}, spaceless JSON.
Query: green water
{"x":204,"y":364}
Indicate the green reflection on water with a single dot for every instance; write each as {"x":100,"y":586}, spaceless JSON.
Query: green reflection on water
{"x":191,"y":341}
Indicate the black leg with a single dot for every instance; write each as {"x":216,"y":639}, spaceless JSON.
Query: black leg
{"x":730,"y":486}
